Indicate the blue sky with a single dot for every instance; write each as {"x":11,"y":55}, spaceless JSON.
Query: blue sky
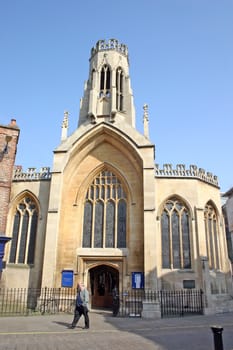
{"x":181,"y":65}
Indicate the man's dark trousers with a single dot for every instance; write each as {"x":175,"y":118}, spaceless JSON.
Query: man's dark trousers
{"x":79,"y":311}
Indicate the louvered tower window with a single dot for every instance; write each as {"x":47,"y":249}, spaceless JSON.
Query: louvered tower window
{"x":105,"y":213}
{"x":105,"y":81}
{"x":119,"y":89}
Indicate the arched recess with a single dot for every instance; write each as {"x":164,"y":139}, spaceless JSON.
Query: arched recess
{"x":102,"y":133}
{"x":24,"y":215}
{"x":84,"y":160}
{"x":175,"y":218}
{"x":103,"y":279}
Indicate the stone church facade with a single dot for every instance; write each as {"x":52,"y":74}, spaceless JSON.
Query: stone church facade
{"x":106,"y":213}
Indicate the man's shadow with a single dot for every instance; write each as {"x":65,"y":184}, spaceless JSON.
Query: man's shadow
{"x":66,"y":324}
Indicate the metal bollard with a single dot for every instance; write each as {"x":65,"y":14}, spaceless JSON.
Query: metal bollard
{"x":217,"y":332}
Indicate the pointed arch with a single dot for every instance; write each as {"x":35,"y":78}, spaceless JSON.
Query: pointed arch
{"x":106,"y":166}
{"x":175,"y":220}
{"x":20,"y":196}
{"x":177,"y":197}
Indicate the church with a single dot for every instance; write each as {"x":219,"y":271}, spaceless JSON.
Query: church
{"x":106,"y":214}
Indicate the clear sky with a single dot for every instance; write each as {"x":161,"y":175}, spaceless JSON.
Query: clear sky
{"x":181,"y":65}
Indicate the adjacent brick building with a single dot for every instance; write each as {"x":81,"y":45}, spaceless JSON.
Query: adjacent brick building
{"x":8,"y":144}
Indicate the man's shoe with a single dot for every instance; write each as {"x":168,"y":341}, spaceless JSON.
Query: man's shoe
{"x":71,"y":326}
{"x":85,"y":327}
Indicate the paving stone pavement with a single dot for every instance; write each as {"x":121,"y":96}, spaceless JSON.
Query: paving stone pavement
{"x":108,"y":332}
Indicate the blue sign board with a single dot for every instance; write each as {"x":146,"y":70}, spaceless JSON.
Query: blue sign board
{"x":67,"y":278}
{"x":3,"y":241}
{"x":137,"y":280}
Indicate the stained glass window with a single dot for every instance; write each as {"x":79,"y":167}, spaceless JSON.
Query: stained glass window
{"x":211,"y":232}
{"x":110,"y":225}
{"x":87,"y":224}
{"x":175,"y":229}
{"x":98,"y":229}
{"x":23,"y":241}
{"x":165,"y":240}
{"x":15,"y":235}
{"x":186,"y":240}
{"x":105,"y":213}
{"x":121,"y":237}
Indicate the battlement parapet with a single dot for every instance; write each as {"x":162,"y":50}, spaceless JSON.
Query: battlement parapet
{"x":181,"y":171}
{"x":31,"y":174}
{"x":167,"y":171}
{"x":111,"y":44}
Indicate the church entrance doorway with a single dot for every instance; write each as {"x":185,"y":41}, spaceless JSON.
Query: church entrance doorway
{"x":103,"y":279}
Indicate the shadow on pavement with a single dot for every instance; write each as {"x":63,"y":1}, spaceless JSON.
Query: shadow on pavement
{"x":174,"y":333}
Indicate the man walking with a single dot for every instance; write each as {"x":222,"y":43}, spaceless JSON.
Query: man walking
{"x":81,"y":306}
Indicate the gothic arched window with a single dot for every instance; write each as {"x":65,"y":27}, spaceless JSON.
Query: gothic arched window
{"x":175,"y":229}
{"x":211,"y":232}
{"x":105,"y":213}
{"x":119,"y":89}
{"x":105,"y":81}
{"x":24,"y":232}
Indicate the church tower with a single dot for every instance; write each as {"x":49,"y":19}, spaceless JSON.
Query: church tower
{"x":107,"y":93}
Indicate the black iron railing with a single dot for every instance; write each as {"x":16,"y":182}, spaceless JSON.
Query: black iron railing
{"x":181,"y":302}
{"x":175,"y":303}
{"x":29,"y":301}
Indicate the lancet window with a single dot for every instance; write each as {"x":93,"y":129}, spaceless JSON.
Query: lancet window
{"x":175,"y":229}
{"x":105,"y":213}
{"x":119,"y":89}
{"x":24,"y":232}
{"x":211,"y":231}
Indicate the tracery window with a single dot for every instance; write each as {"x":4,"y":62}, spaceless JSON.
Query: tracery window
{"x":119,"y":89}
{"x":211,"y":232}
{"x":105,"y":213}
{"x":175,"y":229}
{"x":105,"y":80}
{"x":24,"y":232}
